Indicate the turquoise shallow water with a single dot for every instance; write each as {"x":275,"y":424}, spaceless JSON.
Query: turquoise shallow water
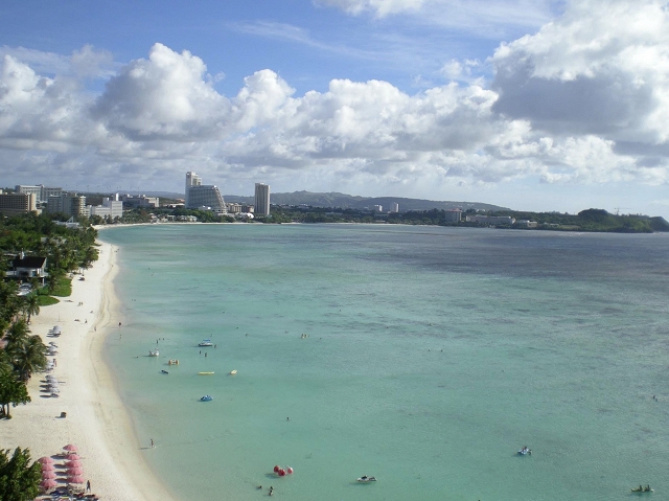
{"x":431,"y":356}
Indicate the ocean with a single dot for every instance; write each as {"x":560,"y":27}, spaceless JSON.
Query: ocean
{"x":423,"y":356}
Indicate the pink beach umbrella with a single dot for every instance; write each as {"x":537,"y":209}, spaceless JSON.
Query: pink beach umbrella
{"x":48,"y":475}
{"x":48,"y":484}
{"x":75,"y":479}
{"x":48,"y":467}
{"x":75,"y":470}
{"x":45,"y":460}
{"x":73,"y":459}
{"x":70,"y":448}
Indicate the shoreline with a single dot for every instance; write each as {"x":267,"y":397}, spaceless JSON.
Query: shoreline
{"x":96,"y":421}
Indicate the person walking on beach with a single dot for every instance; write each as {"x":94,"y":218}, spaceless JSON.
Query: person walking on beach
{"x":153,"y":445}
{"x":88,"y":486}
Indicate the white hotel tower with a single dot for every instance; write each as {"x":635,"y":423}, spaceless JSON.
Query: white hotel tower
{"x":200,"y":195}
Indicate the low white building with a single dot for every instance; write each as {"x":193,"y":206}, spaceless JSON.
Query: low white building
{"x":490,"y":220}
{"x":110,"y":209}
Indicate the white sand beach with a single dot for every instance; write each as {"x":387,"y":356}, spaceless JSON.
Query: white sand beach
{"x":112,"y":457}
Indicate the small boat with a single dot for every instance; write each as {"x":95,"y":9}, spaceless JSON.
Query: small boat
{"x":173,"y":362}
{"x":164,"y":371}
{"x":641,"y":488}
{"x":365,"y":479}
{"x":525,"y":451}
{"x":206,"y":342}
{"x":154,"y":353}
{"x":206,"y":398}
{"x":206,"y":373}
{"x":233,"y":372}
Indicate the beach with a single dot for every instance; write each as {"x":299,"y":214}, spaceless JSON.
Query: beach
{"x":88,"y":411}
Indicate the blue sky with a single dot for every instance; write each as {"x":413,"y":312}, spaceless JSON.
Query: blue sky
{"x":534,"y":105}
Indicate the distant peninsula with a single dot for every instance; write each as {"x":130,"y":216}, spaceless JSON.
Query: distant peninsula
{"x":334,"y":207}
{"x":343,"y":201}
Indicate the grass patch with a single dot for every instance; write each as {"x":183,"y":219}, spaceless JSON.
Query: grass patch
{"x":63,"y":287}
{"x":47,"y":300}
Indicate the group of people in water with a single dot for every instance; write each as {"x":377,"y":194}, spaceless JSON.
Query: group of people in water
{"x":641,"y":488}
{"x":270,"y":492}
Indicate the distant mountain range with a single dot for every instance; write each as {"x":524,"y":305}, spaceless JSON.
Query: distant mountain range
{"x":341,"y":200}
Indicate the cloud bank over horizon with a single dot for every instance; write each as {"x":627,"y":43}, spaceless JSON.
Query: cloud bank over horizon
{"x":581,"y":102}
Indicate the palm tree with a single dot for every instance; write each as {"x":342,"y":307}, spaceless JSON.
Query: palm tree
{"x":7,"y":380}
{"x":13,"y":391}
{"x":17,"y":333}
{"x":91,"y":254}
{"x":20,"y":477}
{"x":28,"y":356}
{"x":9,"y":301}
{"x":30,"y":305}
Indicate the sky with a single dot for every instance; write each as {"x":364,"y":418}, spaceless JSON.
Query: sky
{"x":539,"y":105}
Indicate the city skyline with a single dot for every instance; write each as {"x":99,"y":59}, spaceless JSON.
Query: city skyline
{"x":549,"y":105}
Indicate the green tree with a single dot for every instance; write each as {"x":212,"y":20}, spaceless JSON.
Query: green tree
{"x":9,"y":303}
{"x":17,"y":333}
{"x":30,"y":306}
{"x":13,"y":392}
{"x":19,"y":479}
{"x":91,"y":254}
{"x":28,"y":356}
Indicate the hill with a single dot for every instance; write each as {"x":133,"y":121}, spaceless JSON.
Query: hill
{"x":341,"y":200}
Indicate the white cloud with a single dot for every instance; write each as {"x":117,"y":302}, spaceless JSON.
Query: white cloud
{"x":378,"y":7}
{"x":37,"y":112}
{"x":601,"y":69}
{"x":584,"y":100}
{"x":89,"y":62}
{"x":163,"y":97}
{"x":483,"y":17}
{"x":264,"y":95}
{"x":41,"y":62}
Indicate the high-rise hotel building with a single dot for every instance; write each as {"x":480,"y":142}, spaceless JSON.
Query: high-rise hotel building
{"x":200,"y":195}
{"x":262,"y":199}
{"x":17,"y":203}
{"x":192,"y":179}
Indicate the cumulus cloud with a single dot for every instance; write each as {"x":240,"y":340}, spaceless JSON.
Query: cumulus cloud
{"x":603,"y":69}
{"x":163,"y":97}
{"x":584,"y":99}
{"x":36,"y":111}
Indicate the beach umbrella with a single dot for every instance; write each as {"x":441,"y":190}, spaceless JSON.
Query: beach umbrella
{"x":48,"y":483}
{"x":73,"y":457}
{"x":75,"y":470}
{"x":47,"y":475}
{"x":45,"y":460}
{"x":70,"y":448}
{"x":75,"y":479}
{"x":48,"y":467}
{"x":72,"y":463}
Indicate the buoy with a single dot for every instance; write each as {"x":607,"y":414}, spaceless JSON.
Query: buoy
{"x":289,"y":470}
{"x":282,"y":472}
{"x":276,"y":469}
